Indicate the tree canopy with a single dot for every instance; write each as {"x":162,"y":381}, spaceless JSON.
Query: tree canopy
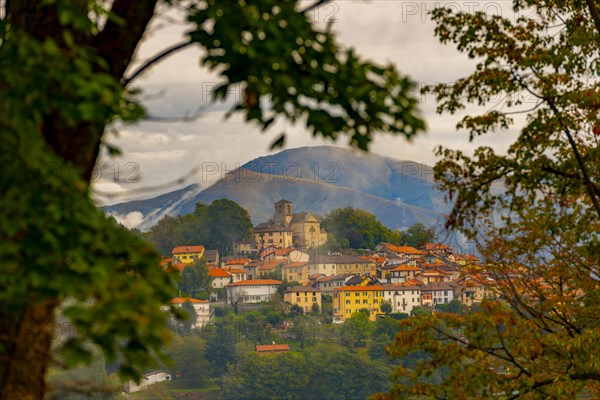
{"x":533,"y":211}
{"x":66,"y":74}
{"x":359,"y":228}
{"x":216,"y":226}
{"x":354,"y":228}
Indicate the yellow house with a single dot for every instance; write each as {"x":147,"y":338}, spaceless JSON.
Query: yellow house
{"x":188,"y":254}
{"x":348,"y":300}
{"x":271,"y":234}
{"x":295,"y":272}
{"x":303,"y":296}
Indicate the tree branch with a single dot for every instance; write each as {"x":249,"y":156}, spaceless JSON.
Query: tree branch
{"x":315,"y":5}
{"x":156,"y":59}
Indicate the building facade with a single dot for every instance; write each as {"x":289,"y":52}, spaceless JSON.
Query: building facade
{"x":252,"y":291}
{"x":188,"y":254}
{"x":349,"y":300}
{"x":303,"y":296}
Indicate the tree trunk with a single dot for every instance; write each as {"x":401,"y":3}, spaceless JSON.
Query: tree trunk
{"x":28,"y":336}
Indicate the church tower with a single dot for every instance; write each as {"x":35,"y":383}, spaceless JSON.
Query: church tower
{"x":283,"y":213}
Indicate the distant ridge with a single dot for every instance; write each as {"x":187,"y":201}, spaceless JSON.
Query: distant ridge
{"x":316,"y":179}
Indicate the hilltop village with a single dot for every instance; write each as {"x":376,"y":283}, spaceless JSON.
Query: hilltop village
{"x":390,"y":279}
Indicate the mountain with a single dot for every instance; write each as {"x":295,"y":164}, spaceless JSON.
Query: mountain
{"x":316,"y":179}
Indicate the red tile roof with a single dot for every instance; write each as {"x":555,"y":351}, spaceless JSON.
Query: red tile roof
{"x":219,"y":273}
{"x":403,"y":249}
{"x":181,"y":300}
{"x":256,"y":282}
{"x":270,"y":265}
{"x":239,"y":261}
{"x":187,"y":249}
{"x":267,"y":348}
{"x":237,"y":271}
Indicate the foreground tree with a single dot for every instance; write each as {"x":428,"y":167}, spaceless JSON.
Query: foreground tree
{"x":65,"y":70}
{"x":534,"y":211}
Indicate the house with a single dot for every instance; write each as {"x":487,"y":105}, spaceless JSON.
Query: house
{"x":403,"y":252}
{"x":267,"y":267}
{"x":245,"y":247}
{"x":326,"y":284}
{"x":295,"y":272}
{"x":211,"y":256}
{"x":148,"y":379}
{"x":403,"y":298}
{"x":188,"y":254}
{"x":271,"y":348}
{"x":252,"y":290}
{"x":221,"y":277}
{"x":269,"y":233}
{"x":274,"y":253}
{"x":436,"y":248}
{"x":475,"y":288}
{"x":432,"y":276}
{"x":348,"y":300}
{"x":236,"y":263}
{"x":304,"y":296}
{"x":202,"y":308}
{"x":251,"y":269}
{"x":436,"y":293}
{"x":341,"y":264}
{"x":404,"y":272}
{"x":463,"y":259}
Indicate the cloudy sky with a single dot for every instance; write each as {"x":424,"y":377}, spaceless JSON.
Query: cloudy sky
{"x":157,"y":154}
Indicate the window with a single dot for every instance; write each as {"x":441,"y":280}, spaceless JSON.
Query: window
{"x":357,"y":302}
{"x":347,"y":301}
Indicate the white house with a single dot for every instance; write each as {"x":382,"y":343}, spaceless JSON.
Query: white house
{"x":147,"y":379}
{"x":222,"y":277}
{"x":402,"y":297}
{"x":437,"y":293}
{"x":202,"y":308}
{"x":252,"y":291}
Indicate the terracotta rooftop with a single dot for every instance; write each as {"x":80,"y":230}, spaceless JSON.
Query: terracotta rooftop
{"x":256,"y":282}
{"x":219,"y":273}
{"x":181,"y":300}
{"x":403,"y":249}
{"x":187,"y":249}
{"x":270,"y":348}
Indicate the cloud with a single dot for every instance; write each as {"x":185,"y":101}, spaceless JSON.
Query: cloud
{"x":131,"y":220}
{"x":398,"y":32}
